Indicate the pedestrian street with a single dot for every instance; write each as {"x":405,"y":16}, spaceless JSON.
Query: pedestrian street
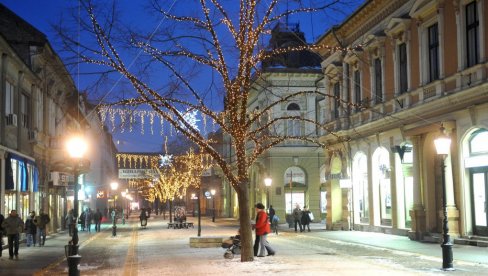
{"x":158,"y":250}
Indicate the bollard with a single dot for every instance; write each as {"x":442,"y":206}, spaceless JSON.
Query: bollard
{"x":73,"y":262}
{"x":73,"y":259}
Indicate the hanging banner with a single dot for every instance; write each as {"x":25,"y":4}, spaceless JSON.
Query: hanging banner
{"x":136,"y":173}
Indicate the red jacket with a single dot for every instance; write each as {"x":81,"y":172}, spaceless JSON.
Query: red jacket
{"x":262,"y":223}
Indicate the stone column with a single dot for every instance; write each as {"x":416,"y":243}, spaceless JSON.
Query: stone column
{"x":417,"y":213}
{"x":452,"y":210}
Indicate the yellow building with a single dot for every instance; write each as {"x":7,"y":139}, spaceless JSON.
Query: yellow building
{"x":414,"y":66}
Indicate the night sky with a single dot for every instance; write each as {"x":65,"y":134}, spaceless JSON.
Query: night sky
{"x":42,"y":13}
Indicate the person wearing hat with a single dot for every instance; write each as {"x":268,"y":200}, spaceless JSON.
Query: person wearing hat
{"x":262,"y":229}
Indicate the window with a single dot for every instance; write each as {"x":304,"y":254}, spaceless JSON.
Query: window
{"x":360,"y":184}
{"x":294,"y":128}
{"x":323,"y":202}
{"x":378,"y":81}
{"x":477,"y":144}
{"x":402,"y":67}
{"x":52,"y":118}
{"x":337,"y":99}
{"x":24,"y":107}
{"x":9,"y":98}
{"x":472,"y":25}
{"x":39,"y":110}
{"x":293,"y":106}
{"x":292,"y":199}
{"x":357,"y":89}
{"x":433,"y":52}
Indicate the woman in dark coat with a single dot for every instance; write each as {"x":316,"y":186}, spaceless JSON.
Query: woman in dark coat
{"x":306,"y":218}
{"x":143,"y":217}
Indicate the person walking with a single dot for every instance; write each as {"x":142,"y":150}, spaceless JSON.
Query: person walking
{"x":271,"y":212}
{"x":41,"y":221}
{"x":272,"y":215}
{"x":88,"y":219}
{"x":262,"y":229}
{"x":70,"y":222}
{"x":305,"y":220}
{"x":81,"y":220}
{"x":297,"y":216}
{"x":13,"y":226}
{"x":2,"y":218}
{"x":143,"y":218}
{"x":30,"y":229}
{"x":97,"y":219}
{"x":274,"y":224}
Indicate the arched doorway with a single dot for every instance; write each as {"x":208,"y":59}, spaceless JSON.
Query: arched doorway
{"x":295,"y":187}
{"x":476,"y":163}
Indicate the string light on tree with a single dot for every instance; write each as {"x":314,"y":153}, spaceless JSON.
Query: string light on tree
{"x":234,"y":62}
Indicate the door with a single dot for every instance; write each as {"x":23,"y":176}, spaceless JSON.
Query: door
{"x":479,"y":187}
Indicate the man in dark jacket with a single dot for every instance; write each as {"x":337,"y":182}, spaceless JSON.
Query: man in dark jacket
{"x":13,"y":226}
{"x":97,"y":218}
{"x":41,"y":221}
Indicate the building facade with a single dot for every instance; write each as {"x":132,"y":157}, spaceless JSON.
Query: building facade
{"x":40,"y":108}
{"x":414,"y":66}
{"x":293,"y":166}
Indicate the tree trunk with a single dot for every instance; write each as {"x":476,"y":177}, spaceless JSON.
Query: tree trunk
{"x":247,"y":251}
{"x":170,"y":211}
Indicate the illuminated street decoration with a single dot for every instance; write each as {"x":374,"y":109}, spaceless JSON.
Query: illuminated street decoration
{"x":233,"y":53}
{"x":129,"y":117}
{"x":165,"y":160}
{"x":190,"y":117}
{"x":100,"y":194}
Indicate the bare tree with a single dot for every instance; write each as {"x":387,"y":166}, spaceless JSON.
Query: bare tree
{"x":224,"y":37}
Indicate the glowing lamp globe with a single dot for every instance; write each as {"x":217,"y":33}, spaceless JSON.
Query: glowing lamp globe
{"x":76,"y":147}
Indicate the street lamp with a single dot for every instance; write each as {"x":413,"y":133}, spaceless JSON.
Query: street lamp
{"x":124,"y":205}
{"x":114,"y":186}
{"x":193,"y":197}
{"x":213,"y":204}
{"x":267,"y":183}
{"x":76,"y":148}
{"x":442,"y":145}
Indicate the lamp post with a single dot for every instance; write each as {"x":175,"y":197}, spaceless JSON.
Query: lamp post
{"x":77,"y":148}
{"x":267,"y":183}
{"x":124,"y":205}
{"x":193,"y":197}
{"x":213,"y":204}
{"x":442,"y":145}
{"x":114,"y":186}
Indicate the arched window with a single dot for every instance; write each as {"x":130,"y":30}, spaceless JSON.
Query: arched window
{"x":293,"y":106}
{"x":477,"y":143}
